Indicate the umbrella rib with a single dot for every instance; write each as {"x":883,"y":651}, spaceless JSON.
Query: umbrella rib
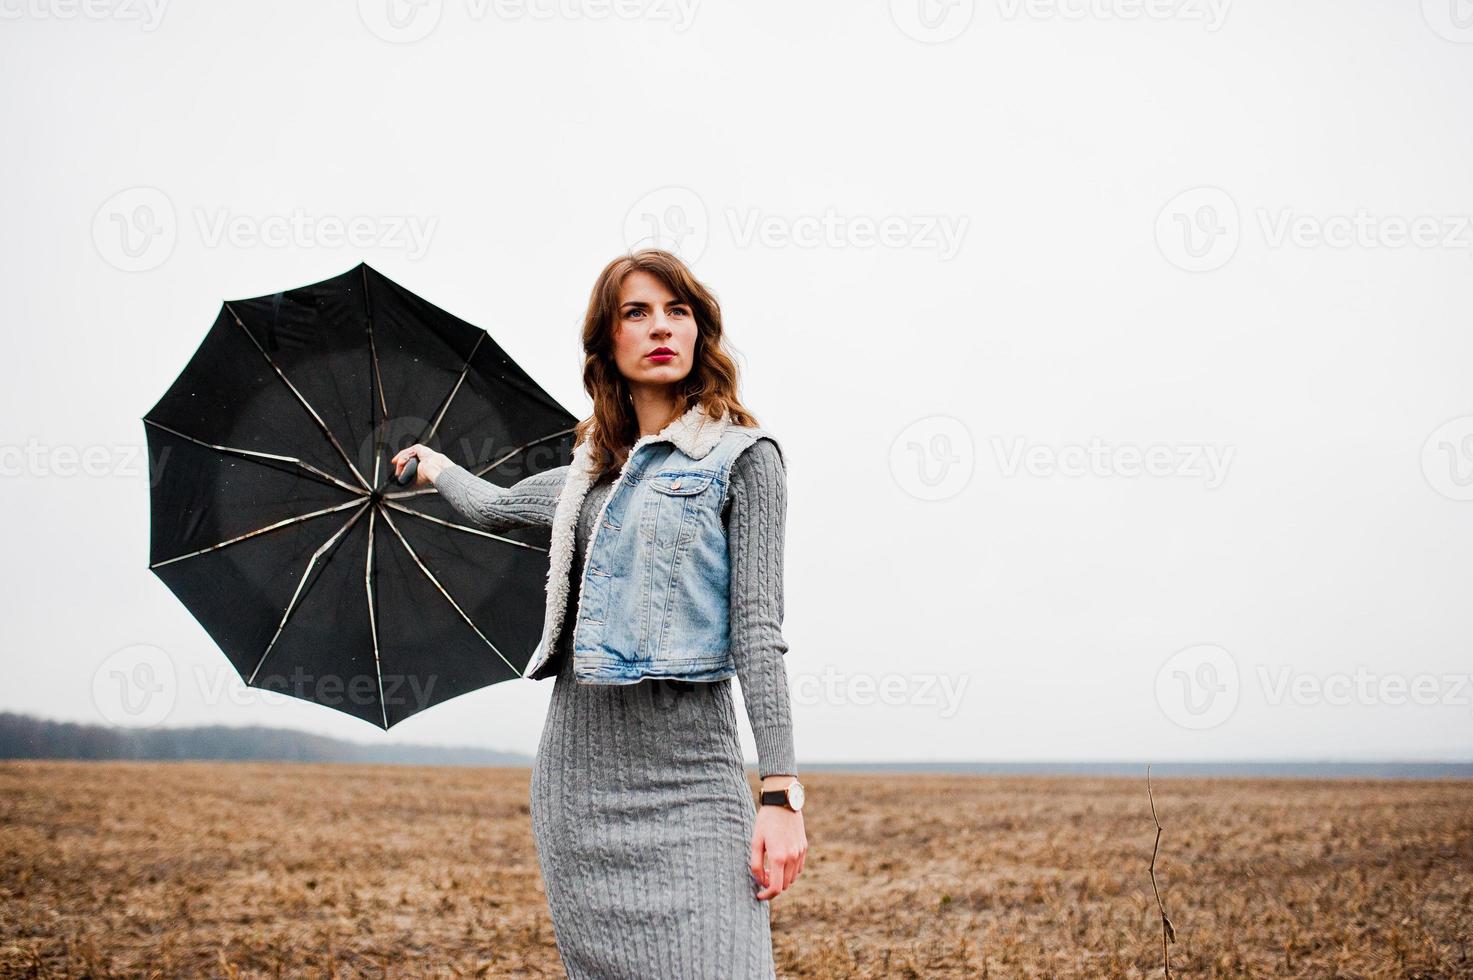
{"x":253,"y":453}
{"x":363,"y":505}
{"x":262,"y":530}
{"x":483,"y":470}
{"x":431,"y":576}
{"x":378,"y":383}
{"x":462,"y":527}
{"x":373,"y":620}
{"x":440,"y":415}
{"x":300,"y":397}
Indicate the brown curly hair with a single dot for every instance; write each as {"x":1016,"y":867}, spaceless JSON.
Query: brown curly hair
{"x":711,"y":383}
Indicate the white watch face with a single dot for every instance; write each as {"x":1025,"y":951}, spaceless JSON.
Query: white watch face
{"x":795,"y":795}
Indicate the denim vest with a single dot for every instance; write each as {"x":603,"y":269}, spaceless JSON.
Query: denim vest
{"x":654,"y":596}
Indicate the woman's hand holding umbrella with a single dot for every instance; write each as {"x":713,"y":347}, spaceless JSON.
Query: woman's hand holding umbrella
{"x":418,"y":465}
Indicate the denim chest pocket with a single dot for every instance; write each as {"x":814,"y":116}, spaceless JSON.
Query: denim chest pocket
{"x":671,"y":505}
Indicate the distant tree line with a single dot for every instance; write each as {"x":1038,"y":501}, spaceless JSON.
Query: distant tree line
{"x":29,"y":737}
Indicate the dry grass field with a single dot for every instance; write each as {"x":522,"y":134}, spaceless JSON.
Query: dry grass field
{"x":255,"y":869}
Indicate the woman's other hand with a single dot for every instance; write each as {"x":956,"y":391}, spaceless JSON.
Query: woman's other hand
{"x":779,"y":845}
{"x":431,"y":463}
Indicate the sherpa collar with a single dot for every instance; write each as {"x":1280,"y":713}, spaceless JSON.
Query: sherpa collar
{"x":694,"y":433}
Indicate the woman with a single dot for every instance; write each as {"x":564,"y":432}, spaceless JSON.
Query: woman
{"x":668,"y":528}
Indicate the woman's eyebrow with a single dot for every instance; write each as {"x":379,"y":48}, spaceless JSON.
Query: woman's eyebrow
{"x":644,"y":305}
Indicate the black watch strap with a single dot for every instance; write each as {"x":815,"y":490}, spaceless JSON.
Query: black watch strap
{"x":775,"y":797}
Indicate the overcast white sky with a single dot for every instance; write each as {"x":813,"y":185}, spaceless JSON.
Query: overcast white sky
{"x":984,"y":264}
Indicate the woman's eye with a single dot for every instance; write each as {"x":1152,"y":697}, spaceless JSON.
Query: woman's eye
{"x":680,"y":311}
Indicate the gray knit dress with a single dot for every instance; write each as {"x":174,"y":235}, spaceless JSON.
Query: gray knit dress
{"x":640,"y":807}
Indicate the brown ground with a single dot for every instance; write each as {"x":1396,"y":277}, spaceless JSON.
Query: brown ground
{"x":191,"y":869}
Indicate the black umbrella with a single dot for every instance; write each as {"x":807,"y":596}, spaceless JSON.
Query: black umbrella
{"x":276,"y":519}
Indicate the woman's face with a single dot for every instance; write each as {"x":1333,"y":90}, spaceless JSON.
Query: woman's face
{"x":651,"y":319}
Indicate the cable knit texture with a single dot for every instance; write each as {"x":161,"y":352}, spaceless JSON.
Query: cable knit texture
{"x":640,"y":807}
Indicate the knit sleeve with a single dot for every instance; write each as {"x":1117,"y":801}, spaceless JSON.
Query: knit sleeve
{"x":491,"y":507}
{"x":756,"y":518}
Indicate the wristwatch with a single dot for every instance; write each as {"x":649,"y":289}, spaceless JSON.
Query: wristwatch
{"x":790,"y":796}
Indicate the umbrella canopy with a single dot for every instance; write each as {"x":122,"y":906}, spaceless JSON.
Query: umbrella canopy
{"x":276,"y":520}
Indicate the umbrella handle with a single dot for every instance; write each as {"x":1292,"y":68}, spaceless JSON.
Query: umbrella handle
{"x":406,"y":477}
